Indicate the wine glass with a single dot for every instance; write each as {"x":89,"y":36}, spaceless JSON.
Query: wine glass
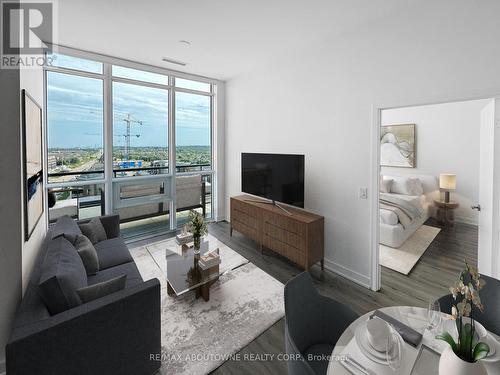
{"x":394,"y":352}
{"x":434,"y":315}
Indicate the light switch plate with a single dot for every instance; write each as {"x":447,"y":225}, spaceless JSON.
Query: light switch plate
{"x":363,"y":193}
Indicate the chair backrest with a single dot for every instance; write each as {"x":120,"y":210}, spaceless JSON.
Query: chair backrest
{"x":301,"y":311}
{"x":490,"y":297}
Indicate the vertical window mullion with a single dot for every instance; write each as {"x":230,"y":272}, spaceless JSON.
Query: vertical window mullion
{"x":172,"y":155}
{"x":108,"y":139}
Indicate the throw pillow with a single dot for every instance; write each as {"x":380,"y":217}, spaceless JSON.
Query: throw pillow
{"x":67,"y":227}
{"x":88,"y":254}
{"x":94,"y":230}
{"x":102,"y":289}
{"x":62,"y":273}
{"x":416,"y":187}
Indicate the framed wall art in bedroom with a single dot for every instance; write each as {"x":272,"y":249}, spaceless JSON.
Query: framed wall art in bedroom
{"x":397,"y":146}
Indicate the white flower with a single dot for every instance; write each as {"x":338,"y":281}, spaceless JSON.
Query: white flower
{"x":454,"y":312}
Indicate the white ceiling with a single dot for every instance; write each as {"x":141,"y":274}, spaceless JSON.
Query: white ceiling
{"x":228,"y":37}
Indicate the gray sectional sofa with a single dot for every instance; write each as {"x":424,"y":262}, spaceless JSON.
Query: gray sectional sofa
{"x":115,"y":334}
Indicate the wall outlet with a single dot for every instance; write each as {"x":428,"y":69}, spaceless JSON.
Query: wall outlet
{"x":363,"y":193}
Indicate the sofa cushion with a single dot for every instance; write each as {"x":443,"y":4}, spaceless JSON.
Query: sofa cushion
{"x":88,"y":254}
{"x":129,"y":269}
{"x":67,"y":227}
{"x":94,"y":230}
{"x":62,"y":274}
{"x":112,"y":252}
{"x":95,"y":291}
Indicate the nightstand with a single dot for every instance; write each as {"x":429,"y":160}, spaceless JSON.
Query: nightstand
{"x":446,"y":212}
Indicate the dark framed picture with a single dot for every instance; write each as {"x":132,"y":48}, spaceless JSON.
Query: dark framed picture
{"x":32,"y":163}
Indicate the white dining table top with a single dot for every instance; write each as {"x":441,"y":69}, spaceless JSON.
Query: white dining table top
{"x":414,"y":317}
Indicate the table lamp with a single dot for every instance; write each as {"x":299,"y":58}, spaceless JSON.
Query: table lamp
{"x":447,"y":182}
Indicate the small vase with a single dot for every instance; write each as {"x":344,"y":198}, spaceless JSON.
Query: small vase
{"x":451,"y":364}
{"x":197,"y":243}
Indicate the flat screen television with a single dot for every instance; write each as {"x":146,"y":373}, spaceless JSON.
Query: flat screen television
{"x":278,"y":177}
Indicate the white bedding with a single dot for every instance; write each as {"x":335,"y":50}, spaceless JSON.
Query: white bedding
{"x":392,"y":233}
{"x":390,"y":218}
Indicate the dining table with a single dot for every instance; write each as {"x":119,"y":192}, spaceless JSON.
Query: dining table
{"x":412,"y":362}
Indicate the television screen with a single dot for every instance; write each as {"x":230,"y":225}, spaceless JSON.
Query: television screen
{"x":277,"y":177}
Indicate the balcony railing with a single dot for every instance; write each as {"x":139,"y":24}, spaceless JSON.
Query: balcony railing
{"x":151,"y":170}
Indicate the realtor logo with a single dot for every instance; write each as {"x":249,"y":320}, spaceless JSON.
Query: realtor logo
{"x":27,"y":29}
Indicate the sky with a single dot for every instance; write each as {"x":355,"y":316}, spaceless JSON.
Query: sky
{"x":75,"y":114}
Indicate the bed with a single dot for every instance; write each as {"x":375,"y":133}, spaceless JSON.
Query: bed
{"x":416,"y":204}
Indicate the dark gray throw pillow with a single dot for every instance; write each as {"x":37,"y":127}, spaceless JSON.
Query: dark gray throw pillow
{"x":67,"y":227}
{"x":62,"y":274}
{"x":88,"y":254}
{"x":94,"y":230}
{"x":102,"y":289}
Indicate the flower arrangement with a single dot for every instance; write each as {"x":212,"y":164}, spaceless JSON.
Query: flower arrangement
{"x":466,"y":293}
{"x":197,"y":226}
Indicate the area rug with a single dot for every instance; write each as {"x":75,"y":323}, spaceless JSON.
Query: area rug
{"x":198,"y":336}
{"x":405,"y":257}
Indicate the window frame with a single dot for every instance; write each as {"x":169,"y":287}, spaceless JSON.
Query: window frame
{"x":109,"y":180}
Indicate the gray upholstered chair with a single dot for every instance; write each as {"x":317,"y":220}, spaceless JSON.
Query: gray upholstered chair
{"x":490,"y":296}
{"x":313,"y":324}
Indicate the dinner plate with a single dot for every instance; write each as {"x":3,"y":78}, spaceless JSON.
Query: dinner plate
{"x":365,"y":347}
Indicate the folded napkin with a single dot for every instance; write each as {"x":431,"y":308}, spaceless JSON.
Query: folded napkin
{"x":408,"y":334}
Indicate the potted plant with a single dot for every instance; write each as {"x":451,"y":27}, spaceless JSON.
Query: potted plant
{"x":198,"y":227}
{"x":463,"y":355}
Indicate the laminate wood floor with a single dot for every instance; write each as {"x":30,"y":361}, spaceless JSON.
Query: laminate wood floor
{"x":434,"y":273}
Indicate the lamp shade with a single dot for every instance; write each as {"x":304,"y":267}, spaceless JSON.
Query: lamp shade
{"x":447,"y":181}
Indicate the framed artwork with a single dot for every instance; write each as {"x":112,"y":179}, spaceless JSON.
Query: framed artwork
{"x":397,"y":146}
{"x":32,"y":163}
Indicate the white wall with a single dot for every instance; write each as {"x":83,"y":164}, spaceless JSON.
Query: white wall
{"x":447,"y":141}
{"x":320,"y":102}
{"x":10,"y":204}
{"x":17,"y":256}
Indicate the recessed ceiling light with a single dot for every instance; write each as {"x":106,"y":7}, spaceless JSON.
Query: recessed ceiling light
{"x":185,"y":42}
{"x":172,"y":61}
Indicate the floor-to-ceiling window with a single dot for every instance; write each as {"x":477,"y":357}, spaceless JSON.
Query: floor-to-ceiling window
{"x":132,"y":141}
{"x":193,"y":146}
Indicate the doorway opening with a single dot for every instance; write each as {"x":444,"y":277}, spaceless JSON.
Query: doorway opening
{"x":436,"y":202}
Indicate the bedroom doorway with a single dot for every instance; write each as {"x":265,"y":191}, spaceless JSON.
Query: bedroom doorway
{"x":437,"y":185}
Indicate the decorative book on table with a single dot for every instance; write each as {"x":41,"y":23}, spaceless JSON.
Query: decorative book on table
{"x":209,"y":260}
{"x":184,"y":238}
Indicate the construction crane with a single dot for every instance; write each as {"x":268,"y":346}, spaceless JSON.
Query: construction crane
{"x":128,"y":121}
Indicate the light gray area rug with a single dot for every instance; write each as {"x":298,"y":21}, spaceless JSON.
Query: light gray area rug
{"x":405,"y":257}
{"x":198,"y":336}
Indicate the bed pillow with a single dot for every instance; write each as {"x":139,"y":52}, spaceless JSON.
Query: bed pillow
{"x":416,"y":186}
{"x":385,"y":184}
{"x":407,"y":186}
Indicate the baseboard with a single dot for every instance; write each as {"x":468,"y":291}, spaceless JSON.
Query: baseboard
{"x":220,"y":218}
{"x":349,"y":274}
